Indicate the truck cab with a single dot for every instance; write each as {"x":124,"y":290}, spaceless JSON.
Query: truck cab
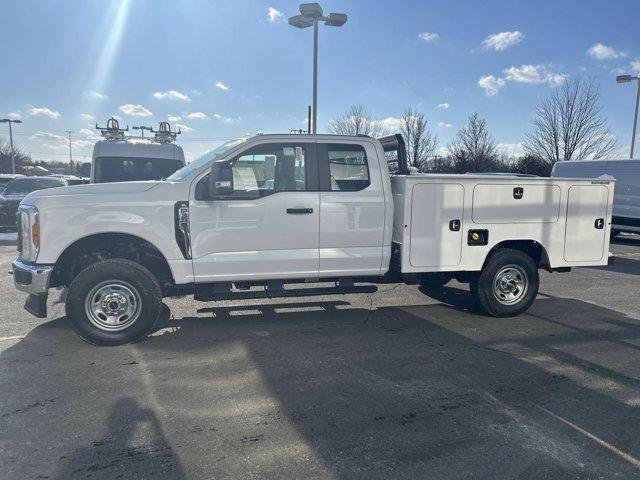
{"x":267,"y":215}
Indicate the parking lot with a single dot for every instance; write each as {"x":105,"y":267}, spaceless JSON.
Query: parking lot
{"x":396,"y":384}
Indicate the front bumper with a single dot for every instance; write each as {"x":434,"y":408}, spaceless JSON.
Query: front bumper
{"x":32,"y":278}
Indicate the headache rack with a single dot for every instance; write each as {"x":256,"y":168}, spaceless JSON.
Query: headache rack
{"x":396,"y":153}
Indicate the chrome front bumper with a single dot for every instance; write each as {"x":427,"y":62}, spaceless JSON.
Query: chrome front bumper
{"x":31,"y":278}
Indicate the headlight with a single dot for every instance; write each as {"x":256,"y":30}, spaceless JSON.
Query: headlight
{"x":29,"y":232}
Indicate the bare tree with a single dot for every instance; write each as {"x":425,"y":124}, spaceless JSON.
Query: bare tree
{"x":569,"y":125}
{"x":421,"y":143}
{"x":473,"y":149}
{"x":356,"y":121}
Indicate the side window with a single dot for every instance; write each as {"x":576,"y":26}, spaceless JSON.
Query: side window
{"x":268,"y":169}
{"x":348,"y":168}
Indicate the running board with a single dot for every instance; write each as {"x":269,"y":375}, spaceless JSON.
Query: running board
{"x":292,"y":292}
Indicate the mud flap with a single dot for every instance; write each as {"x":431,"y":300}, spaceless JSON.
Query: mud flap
{"x":36,"y":305}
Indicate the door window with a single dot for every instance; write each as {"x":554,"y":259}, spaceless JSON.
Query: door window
{"x":268,"y":169}
{"x":348,"y":168}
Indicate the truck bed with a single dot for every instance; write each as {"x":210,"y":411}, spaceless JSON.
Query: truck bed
{"x":451,"y":222}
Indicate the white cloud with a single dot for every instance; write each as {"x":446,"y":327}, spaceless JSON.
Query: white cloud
{"x":503,"y":40}
{"x":390,"y":123}
{"x":184,"y":128}
{"x":222,"y":86}
{"x":635,"y":65}
{"x":534,"y":74}
{"x":443,"y":105}
{"x":14,"y":115}
{"x":217,"y":116}
{"x":603,"y":52}
{"x":491,"y":84}
{"x":87,"y":116}
{"x":174,"y":118}
{"x":428,"y":37}
{"x":196,"y":116}
{"x":274,"y":15}
{"x":511,"y":149}
{"x":95,"y":95}
{"x":52,"y":141}
{"x":135,"y":110}
{"x":445,"y":125}
{"x":89,"y":134}
{"x":172,"y":95}
{"x":43,"y":112}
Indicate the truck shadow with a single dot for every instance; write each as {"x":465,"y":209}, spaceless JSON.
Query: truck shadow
{"x":322,"y":390}
{"x":629,"y":266}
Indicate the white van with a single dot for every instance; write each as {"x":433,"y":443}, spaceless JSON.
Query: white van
{"x":121,"y":158}
{"x":133,"y":159}
{"x":626,"y":199}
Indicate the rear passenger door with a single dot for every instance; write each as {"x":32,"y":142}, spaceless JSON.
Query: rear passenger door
{"x":352,"y":209}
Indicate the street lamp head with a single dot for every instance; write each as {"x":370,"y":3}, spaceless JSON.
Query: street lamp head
{"x":9,"y":120}
{"x":300,"y":22}
{"x":17,"y":121}
{"x":623,"y":78}
{"x":336,"y":19}
{"x":311,"y":11}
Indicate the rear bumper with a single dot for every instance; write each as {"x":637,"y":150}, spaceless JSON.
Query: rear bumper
{"x":31,"y":278}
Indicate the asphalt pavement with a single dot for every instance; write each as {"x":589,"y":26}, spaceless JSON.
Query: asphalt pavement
{"x":401,"y":383}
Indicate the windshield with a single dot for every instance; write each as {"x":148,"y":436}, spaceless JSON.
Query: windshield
{"x":20,"y":186}
{"x":129,"y":169}
{"x":209,"y":156}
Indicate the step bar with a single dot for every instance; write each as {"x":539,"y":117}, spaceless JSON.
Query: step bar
{"x":283,"y":292}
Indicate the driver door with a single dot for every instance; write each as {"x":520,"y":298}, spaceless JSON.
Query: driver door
{"x":268,"y":228}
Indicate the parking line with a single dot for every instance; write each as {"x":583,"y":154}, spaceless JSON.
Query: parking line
{"x":16,"y":337}
{"x":625,"y":456}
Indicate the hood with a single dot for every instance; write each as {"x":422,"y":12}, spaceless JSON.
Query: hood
{"x":116,"y":188}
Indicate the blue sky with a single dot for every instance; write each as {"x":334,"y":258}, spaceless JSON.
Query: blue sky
{"x":227,"y":68}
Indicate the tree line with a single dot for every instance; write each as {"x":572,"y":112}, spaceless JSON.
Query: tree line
{"x":567,"y":125}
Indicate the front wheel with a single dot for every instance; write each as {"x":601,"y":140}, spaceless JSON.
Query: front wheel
{"x":507,"y":285}
{"x":113,"y":302}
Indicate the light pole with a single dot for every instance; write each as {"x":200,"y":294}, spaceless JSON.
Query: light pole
{"x":627,"y":79}
{"x":69,"y":132}
{"x":13,"y":153}
{"x":311,"y":14}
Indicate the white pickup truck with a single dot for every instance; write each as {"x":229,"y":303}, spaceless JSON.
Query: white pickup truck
{"x":259,"y":215}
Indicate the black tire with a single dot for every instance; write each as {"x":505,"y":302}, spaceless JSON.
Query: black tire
{"x":514,"y":266}
{"x":135,"y":283}
{"x":434,"y":280}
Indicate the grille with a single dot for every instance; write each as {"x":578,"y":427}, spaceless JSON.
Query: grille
{"x":19,"y":232}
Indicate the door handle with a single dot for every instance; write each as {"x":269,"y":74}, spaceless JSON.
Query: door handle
{"x":454,"y":225}
{"x":299,"y":211}
{"x":599,"y":223}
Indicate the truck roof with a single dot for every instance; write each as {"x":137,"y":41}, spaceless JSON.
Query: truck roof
{"x":137,"y":147}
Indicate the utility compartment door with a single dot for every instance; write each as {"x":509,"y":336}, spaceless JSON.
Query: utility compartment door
{"x":586,"y":230}
{"x":516,"y":203}
{"x":436,"y":225}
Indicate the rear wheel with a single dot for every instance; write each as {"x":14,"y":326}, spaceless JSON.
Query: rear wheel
{"x":507,"y":285}
{"x":113,"y":302}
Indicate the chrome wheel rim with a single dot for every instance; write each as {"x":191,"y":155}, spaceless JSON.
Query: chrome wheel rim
{"x":510,"y":284}
{"x":113,"y":305}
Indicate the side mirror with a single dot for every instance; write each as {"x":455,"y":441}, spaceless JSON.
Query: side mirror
{"x":220,"y":180}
